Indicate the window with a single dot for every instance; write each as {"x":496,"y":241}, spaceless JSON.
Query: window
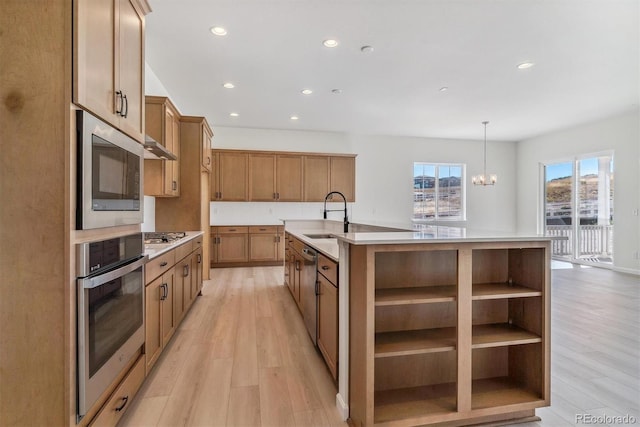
{"x":438,"y":192}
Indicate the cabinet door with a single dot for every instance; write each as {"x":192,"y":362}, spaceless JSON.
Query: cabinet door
{"x":174,"y":189}
{"x":316,"y":178}
{"x":342,"y":175}
{"x":198,"y":264}
{"x":180,"y":303}
{"x":328,"y":323}
{"x":130,"y":68}
{"x":232,"y":176}
{"x":94,"y":64}
{"x":263,"y":247}
{"x":207,"y":160}
{"x":153,"y":333}
{"x":282,"y":243}
{"x":168,"y":316}
{"x":262,"y":177}
{"x":289,"y":178}
{"x":232,"y":248}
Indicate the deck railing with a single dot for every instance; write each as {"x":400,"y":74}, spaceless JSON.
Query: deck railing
{"x":593,"y":240}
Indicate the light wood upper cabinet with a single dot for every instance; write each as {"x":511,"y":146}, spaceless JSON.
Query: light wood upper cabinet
{"x":288,"y":178}
{"x":316,"y":178}
{"x":108,"y":61}
{"x":229,"y":179}
{"x":262,"y":177}
{"x":342,"y":176}
{"x":207,"y":135}
{"x":162,"y":177}
{"x":268,"y":176}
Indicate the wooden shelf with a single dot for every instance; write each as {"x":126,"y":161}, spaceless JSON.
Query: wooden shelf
{"x":415,"y":295}
{"x":413,"y":403}
{"x":404,"y":343}
{"x":491,"y":392}
{"x":501,"y":334}
{"x":485,"y":291}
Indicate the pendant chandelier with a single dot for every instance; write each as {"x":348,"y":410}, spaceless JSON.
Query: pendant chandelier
{"x":484,"y":179}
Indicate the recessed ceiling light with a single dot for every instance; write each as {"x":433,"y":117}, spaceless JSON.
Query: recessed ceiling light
{"x":366,"y":49}
{"x":234,"y":114}
{"x":294,"y":117}
{"x":330,"y":43}
{"x":444,"y":89}
{"x":229,"y":85}
{"x":525,"y":65}
{"x":218,"y":31}
{"x":306,"y":91}
{"x":336,"y":91}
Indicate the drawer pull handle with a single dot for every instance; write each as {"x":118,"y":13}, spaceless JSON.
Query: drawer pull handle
{"x":325,"y":267}
{"x":124,"y":403}
{"x":163,"y":264}
{"x":232,"y":229}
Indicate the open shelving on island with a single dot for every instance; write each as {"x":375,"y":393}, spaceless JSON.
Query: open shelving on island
{"x":452,"y":333}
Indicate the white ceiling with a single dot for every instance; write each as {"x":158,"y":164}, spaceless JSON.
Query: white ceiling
{"x":586,"y":55}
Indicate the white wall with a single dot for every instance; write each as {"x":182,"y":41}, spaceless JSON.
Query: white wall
{"x":621,"y":134}
{"x":384,"y":176}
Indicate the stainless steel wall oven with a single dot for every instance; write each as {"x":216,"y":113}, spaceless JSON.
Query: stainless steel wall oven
{"x":110,"y":312}
{"x":109,"y":177}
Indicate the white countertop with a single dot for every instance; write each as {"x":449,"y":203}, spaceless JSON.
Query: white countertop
{"x":437,"y":234}
{"x":153,"y":250}
{"x":422,"y":233}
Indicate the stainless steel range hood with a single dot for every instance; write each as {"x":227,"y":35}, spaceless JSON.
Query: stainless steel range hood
{"x":155,"y":150}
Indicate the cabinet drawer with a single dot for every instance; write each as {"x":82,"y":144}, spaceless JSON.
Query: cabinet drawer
{"x":119,"y":401}
{"x":159,"y":265}
{"x":258,"y":229}
{"x":328,"y":268}
{"x":297,"y":245}
{"x":183,"y":250}
{"x":196,"y":243}
{"x":233,"y":230}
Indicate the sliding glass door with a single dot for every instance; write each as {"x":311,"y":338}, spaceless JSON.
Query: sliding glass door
{"x":578,"y":204}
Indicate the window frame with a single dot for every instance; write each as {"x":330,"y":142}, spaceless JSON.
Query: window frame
{"x":463,"y":193}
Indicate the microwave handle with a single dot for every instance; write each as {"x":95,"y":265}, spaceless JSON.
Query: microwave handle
{"x":101,"y":279}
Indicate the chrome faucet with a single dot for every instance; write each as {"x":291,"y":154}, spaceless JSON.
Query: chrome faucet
{"x":346,"y":219}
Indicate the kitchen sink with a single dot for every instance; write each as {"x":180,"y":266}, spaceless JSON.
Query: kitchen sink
{"x":320,"y":236}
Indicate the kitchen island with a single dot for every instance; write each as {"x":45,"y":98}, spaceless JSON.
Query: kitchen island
{"x":443,"y":325}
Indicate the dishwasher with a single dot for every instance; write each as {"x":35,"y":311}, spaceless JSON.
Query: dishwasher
{"x":308,"y":294}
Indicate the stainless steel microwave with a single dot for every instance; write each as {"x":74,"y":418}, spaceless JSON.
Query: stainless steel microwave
{"x":110,"y":175}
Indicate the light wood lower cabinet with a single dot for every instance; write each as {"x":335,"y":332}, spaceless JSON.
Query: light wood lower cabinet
{"x":121,"y":398}
{"x":170,"y":290}
{"x":448,"y":332}
{"x":159,"y":316}
{"x":328,"y":323}
{"x":236,"y":246}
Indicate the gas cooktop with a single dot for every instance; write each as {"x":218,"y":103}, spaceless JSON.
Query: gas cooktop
{"x":163,"y":237}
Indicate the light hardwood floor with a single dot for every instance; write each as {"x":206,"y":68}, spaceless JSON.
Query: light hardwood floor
{"x":242,"y":356}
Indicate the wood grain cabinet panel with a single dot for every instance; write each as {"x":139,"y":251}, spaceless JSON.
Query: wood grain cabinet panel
{"x":262,"y":177}
{"x":237,"y":246}
{"x":328,"y":323}
{"x":230,"y":177}
{"x":266,"y":176}
{"x":316,"y":178}
{"x":289,"y":178}
{"x":342,"y":176}
{"x":162,"y":177}
{"x":109,"y":62}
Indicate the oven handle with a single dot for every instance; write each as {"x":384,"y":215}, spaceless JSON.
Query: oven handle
{"x":101,"y":279}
